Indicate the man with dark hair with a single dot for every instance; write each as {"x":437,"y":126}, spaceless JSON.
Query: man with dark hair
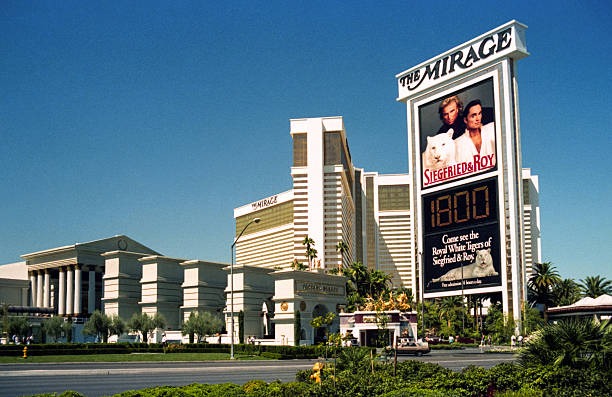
{"x":477,"y":139}
{"x":450,"y":113}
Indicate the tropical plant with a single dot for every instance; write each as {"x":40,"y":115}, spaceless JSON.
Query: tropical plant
{"x":353,"y":359}
{"x":308,"y":242}
{"x":298,"y":265}
{"x":145,"y":324}
{"x":342,"y":248}
{"x":575,"y":343}
{"x":449,"y":306}
{"x":53,"y":327}
{"x":363,"y":283}
{"x":541,"y":282}
{"x":595,"y":287}
{"x":532,"y":321}
{"x":565,"y":292}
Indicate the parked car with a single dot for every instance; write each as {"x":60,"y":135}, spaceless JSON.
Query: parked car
{"x":418,"y":348}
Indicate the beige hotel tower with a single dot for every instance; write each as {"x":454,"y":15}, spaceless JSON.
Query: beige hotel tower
{"x":332,"y":201}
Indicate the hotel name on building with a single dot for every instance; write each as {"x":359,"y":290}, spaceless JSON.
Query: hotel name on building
{"x":267,"y":202}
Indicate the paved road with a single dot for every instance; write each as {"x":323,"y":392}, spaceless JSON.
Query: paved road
{"x":103,"y":379}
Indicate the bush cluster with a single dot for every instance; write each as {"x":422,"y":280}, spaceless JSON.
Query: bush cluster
{"x":413,"y":378}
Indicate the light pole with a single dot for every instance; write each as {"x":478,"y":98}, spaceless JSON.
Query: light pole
{"x":254,"y":220}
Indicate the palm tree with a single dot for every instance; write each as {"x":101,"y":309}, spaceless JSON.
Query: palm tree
{"x":342,"y":248}
{"x":312,"y":255}
{"x":595,"y":287}
{"x":541,"y":283}
{"x":565,"y":292}
{"x":379,"y":283}
{"x":308,"y":242}
{"x":448,"y":307}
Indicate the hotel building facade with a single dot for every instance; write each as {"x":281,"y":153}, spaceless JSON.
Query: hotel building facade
{"x":334,"y":201}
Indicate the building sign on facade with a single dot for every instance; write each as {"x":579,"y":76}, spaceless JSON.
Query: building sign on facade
{"x":267,"y":202}
{"x":312,"y":287}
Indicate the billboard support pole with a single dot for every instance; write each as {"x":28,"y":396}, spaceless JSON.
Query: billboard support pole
{"x":462,"y":305}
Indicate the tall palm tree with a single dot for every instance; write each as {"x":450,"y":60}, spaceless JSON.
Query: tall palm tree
{"x":595,"y":287}
{"x":541,"y":283}
{"x":379,"y":283}
{"x":308,"y":242}
{"x":448,"y":308}
{"x":342,"y":248}
{"x":565,"y":292}
{"x":312,"y":254}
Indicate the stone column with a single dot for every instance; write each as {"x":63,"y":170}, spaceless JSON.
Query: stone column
{"x":69,"y":291}
{"x":61,"y":299}
{"x":91,"y":292}
{"x":46,"y":289}
{"x":39,"y":289}
{"x":33,"y":287}
{"x":77,"y":289}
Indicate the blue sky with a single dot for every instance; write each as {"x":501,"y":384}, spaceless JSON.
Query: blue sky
{"x":156,"y":119}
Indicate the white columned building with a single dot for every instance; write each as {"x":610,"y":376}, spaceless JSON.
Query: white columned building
{"x":57,"y":279}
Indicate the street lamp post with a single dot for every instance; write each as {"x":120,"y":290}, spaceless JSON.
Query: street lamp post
{"x":254,"y":220}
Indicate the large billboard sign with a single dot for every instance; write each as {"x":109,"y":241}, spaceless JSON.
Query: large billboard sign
{"x":465,"y":164}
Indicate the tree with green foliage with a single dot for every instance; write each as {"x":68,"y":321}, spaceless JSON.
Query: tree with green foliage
{"x":19,"y":326}
{"x":565,"y":292}
{"x":53,"y":327}
{"x":308,"y":242}
{"x":541,"y":283}
{"x":298,"y":265}
{"x":363,"y":283}
{"x":297,"y":328}
{"x":117,"y":326}
{"x":323,"y":322}
{"x":67,"y":329}
{"x":145,"y":324}
{"x":98,"y":324}
{"x":449,"y":306}
{"x":594,"y":287}
{"x":532,"y":321}
{"x":4,"y":314}
{"x":342,"y":247}
{"x":241,"y":326}
{"x":201,"y":324}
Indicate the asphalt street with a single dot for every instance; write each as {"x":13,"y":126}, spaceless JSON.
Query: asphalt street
{"x":103,"y":379}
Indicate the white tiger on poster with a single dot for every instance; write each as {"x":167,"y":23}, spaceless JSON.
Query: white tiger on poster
{"x":482,"y":267}
{"x":440,"y":151}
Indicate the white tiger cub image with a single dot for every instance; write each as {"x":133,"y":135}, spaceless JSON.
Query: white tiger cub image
{"x":482,"y":267}
{"x":440,"y":151}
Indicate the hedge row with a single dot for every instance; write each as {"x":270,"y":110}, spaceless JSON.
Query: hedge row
{"x":280,"y":352}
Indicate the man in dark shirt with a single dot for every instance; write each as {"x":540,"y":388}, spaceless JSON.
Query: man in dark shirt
{"x":450,"y":113}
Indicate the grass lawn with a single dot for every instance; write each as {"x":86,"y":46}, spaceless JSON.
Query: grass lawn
{"x":127,"y":357}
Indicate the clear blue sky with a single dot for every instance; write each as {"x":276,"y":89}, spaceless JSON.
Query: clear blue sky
{"x":156,"y":119}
